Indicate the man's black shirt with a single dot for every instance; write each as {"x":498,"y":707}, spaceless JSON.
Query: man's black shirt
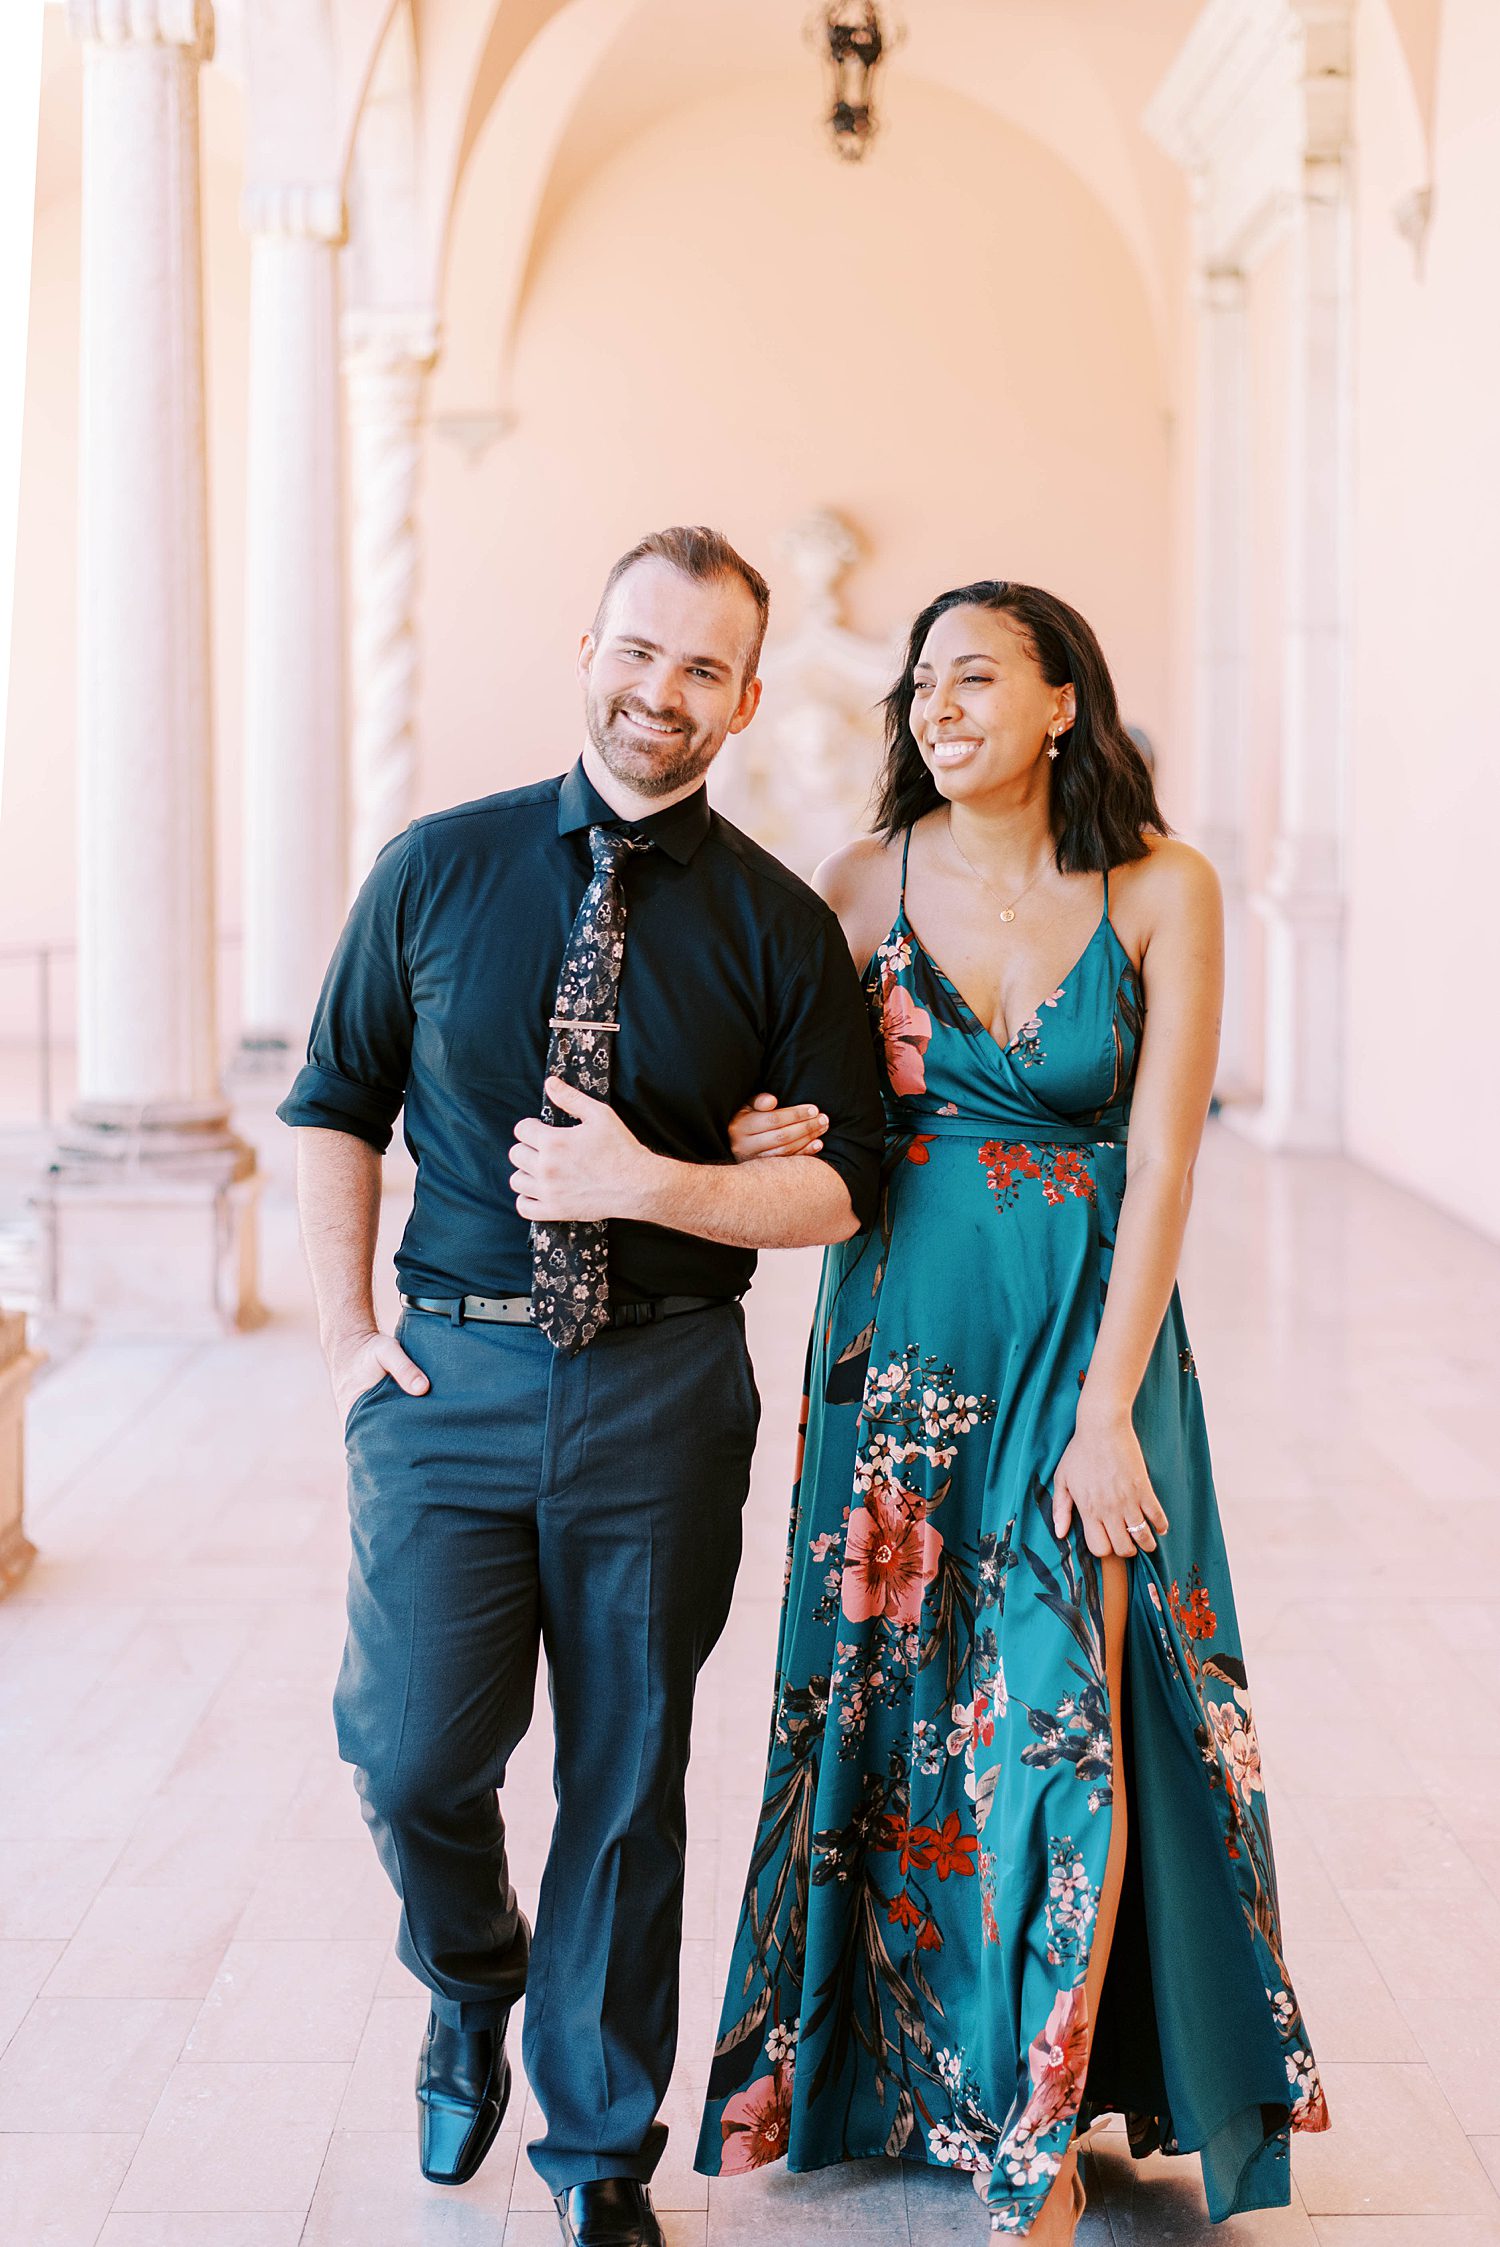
{"x":737,"y":980}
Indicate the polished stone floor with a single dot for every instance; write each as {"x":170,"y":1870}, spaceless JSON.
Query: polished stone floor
{"x":204,"y":2040}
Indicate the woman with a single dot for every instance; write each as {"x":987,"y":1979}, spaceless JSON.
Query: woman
{"x":1008,"y":1612}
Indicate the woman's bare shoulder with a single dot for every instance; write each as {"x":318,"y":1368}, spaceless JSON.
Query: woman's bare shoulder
{"x":862,"y":882}
{"x":857,"y":869}
{"x":1171,"y":894}
{"x":1171,"y":877}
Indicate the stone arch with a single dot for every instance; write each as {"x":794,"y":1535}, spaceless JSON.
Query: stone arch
{"x":513,"y":145}
{"x":1418,"y":26}
{"x":536,"y":99}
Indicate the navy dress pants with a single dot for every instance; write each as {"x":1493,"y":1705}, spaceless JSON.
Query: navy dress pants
{"x":591,"y":1506}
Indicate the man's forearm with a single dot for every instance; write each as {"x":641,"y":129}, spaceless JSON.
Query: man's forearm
{"x":338,"y":1200}
{"x":799,"y":1202}
{"x":595,"y":1168}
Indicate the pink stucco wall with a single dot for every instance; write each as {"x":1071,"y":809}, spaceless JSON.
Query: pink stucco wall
{"x":951,"y":346}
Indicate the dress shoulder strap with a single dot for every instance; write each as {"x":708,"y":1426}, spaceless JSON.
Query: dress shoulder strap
{"x":1105,"y":914}
{"x":905,"y":855}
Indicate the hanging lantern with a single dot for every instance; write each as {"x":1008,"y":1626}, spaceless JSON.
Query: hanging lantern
{"x":854,"y":42}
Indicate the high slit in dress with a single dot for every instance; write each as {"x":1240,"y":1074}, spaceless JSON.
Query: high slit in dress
{"x":908,"y":1973}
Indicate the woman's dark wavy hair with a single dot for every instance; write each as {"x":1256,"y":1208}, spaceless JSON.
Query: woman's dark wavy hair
{"x":1103,"y":801}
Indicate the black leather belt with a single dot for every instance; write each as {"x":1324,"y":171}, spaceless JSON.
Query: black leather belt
{"x":515,"y":1310}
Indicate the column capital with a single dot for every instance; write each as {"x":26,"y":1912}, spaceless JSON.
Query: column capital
{"x":145,"y":23}
{"x":394,"y":341}
{"x":299,"y":210}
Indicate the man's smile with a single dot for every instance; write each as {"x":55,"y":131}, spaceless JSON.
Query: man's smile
{"x":656,"y":727}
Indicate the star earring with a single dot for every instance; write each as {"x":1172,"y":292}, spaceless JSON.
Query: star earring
{"x":1052,"y":749}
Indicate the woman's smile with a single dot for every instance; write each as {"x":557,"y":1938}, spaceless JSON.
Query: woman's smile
{"x":954,"y":749}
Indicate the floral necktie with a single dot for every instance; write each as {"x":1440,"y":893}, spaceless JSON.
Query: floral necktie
{"x":570,"y":1261}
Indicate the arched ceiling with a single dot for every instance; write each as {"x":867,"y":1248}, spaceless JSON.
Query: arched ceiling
{"x":1068,"y":72}
{"x":1074,"y":74}
{"x":577,"y":78}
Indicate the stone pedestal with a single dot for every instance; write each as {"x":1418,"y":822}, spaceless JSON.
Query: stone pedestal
{"x":17,"y":1365}
{"x":149,"y":1248}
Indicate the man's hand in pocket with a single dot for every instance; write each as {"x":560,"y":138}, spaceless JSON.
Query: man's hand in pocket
{"x":357,"y":1361}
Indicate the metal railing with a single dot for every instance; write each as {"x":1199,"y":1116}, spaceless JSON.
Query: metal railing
{"x":48,"y":1034}
{"x":41,"y":957}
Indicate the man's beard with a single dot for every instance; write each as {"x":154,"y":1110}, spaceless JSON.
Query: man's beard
{"x":651,"y":769}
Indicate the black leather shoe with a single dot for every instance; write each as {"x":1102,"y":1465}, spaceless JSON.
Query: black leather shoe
{"x":609,"y":2212}
{"x":463,"y":2087}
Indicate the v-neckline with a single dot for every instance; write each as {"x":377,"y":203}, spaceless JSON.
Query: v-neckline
{"x":904,"y":920}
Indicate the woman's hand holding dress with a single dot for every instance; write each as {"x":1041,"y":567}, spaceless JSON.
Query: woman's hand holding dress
{"x":1102,"y":1478}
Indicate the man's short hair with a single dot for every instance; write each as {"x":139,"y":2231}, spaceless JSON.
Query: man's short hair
{"x":702,"y":554}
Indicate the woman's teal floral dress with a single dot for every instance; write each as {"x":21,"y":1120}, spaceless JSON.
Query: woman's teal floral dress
{"x":908,"y":1976}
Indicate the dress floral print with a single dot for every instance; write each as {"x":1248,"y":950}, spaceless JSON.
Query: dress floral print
{"x":909,"y":1971}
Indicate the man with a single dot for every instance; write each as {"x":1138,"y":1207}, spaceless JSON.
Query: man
{"x":555,"y":1445}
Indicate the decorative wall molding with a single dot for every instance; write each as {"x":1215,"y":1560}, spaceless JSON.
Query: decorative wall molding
{"x":474,"y":431}
{"x":145,"y":23}
{"x":391,"y":340}
{"x":1412,"y":216}
{"x":1260,"y":93}
{"x":302,"y":210}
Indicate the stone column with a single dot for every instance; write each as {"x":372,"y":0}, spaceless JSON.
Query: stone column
{"x":387,"y":359}
{"x":149,"y":1209}
{"x":1303,"y":898}
{"x":1221,"y":631}
{"x":295,"y":782}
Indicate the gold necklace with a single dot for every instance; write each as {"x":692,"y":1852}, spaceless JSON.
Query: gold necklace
{"x":1007,"y":912}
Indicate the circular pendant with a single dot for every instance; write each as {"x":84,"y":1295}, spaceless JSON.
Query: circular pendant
{"x":1007,"y":912}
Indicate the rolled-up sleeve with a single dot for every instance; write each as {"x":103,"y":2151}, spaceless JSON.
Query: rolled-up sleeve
{"x":359,"y":1053}
{"x":821,"y":1050}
